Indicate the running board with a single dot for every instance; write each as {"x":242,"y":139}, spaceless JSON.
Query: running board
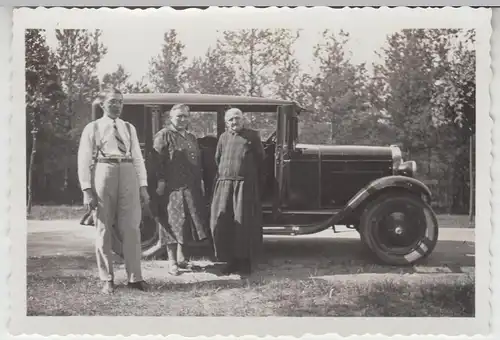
{"x":329,"y":212}
{"x":284,"y":225}
{"x":294,"y":229}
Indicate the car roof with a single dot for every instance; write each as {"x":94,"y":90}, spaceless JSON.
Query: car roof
{"x":205,"y":102}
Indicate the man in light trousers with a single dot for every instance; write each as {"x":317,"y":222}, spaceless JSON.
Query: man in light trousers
{"x":113,"y":178}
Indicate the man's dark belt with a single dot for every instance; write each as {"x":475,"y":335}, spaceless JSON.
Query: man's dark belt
{"x":114,"y":160}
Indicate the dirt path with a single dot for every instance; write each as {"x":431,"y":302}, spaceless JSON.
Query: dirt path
{"x":326,"y":256}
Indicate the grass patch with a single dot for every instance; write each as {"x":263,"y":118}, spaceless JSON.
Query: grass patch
{"x":76,"y":292}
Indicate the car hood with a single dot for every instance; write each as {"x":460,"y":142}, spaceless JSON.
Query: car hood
{"x":347,"y":151}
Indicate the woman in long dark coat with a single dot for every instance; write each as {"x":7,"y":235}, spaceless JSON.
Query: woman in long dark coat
{"x":179,"y":175}
{"x":236,"y":211}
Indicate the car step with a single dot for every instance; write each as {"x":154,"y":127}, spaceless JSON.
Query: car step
{"x":293,"y":230}
{"x":305,"y":212}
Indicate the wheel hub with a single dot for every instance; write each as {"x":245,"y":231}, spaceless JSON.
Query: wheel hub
{"x":400,"y":229}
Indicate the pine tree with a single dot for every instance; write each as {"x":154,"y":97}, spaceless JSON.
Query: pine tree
{"x":43,"y":94}
{"x":166,"y":71}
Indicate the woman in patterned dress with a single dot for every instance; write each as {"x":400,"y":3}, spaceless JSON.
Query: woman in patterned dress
{"x":179,"y":174}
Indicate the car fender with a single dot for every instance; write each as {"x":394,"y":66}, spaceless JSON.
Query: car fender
{"x":400,"y":182}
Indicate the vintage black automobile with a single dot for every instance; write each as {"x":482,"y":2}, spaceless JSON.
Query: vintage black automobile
{"x":309,"y":187}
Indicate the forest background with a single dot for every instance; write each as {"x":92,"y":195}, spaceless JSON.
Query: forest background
{"x":420,"y":95}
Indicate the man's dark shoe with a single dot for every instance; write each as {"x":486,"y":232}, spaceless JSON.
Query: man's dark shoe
{"x":230,"y":268}
{"x":185,"y":265}
{"x":141,"y":285}
{"x":108,"y":287}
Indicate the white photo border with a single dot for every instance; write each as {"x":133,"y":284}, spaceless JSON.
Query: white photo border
{"x":272,"y":326}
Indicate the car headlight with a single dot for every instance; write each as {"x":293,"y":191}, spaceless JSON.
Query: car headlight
{"x":408,"y":168}
{"x":397,"y":158}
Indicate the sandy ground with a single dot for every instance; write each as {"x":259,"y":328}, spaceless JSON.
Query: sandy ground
{"x":63,"y":237}
{"x":326,"y":256}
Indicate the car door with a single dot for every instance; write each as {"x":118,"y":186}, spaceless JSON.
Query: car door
{"x":282,"y":156}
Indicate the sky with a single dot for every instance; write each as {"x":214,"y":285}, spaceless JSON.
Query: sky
{"x":135,"y":52}
{"x":133,"y":40}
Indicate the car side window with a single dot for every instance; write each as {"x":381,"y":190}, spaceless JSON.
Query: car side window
{"x":203,"y":124}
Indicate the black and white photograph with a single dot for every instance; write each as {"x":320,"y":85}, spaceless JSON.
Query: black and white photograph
{"x":311,"y":164}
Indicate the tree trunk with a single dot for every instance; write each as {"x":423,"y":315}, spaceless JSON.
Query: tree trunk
{"x":429,"y":165}
{"x":31,"y":170}
{"x":471,"y":181}
{"x":450,"y":190}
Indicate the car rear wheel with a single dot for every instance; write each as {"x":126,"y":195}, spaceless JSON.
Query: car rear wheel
{"x":399,"y":229}
{"x":152,"y":238}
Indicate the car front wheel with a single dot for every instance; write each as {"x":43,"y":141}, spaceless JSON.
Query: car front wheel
{"x":399,"y":229}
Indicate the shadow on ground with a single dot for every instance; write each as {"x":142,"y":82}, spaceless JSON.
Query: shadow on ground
{"x":318,"y":275}
{"x":294,"y":258}
{"x":79,"y":295}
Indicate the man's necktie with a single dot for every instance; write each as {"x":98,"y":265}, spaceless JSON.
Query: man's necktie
{"x":119,"y":140}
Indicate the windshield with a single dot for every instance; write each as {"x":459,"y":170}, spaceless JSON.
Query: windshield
{"x":264,"y":122}
{"x":264,"y":135}
{"x":315,"y":132}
